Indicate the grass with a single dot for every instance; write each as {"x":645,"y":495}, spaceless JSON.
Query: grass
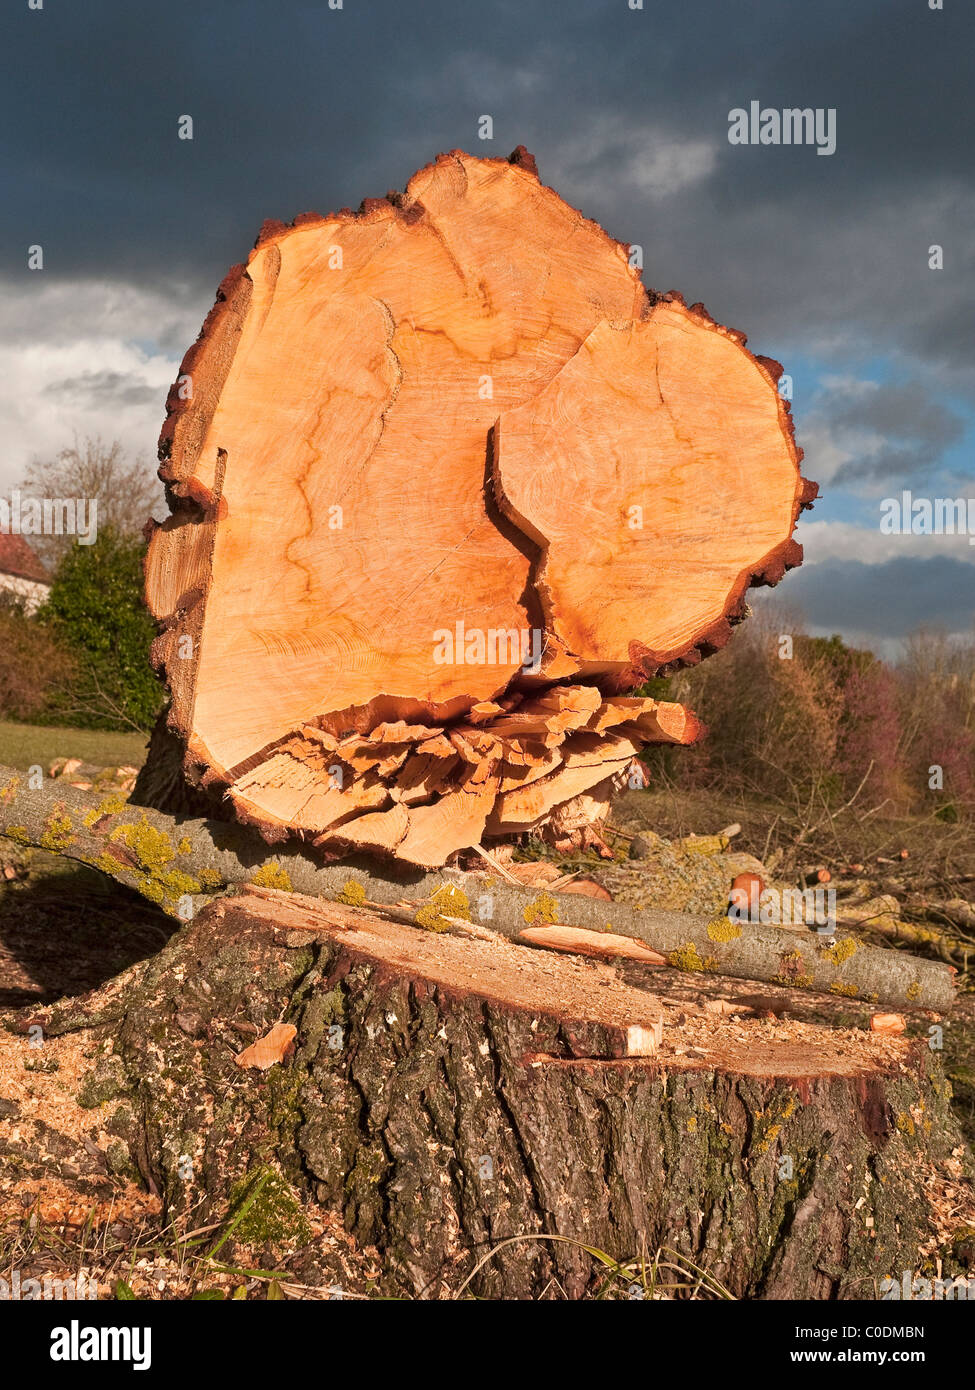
{"x":167,"y":1264}
{"x":23,"y":745}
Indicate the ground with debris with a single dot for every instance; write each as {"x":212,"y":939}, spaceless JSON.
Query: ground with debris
{"x":68,"y":1199}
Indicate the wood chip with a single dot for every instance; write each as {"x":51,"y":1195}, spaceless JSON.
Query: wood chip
{"x":726,"y":1007}
{"x":581,"y":942}
{"x":642,"y":1042}
{"x":588,"y":888}
{"x":888,"y":1023}
{"x":274,"y":1047}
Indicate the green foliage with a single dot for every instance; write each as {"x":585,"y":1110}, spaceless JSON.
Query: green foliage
{"x":656,"y":688}
{"x":841,"y":660}
{"x":96,"y":610}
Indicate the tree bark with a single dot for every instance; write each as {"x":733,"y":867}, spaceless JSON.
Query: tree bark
{"x":448,"y":1096}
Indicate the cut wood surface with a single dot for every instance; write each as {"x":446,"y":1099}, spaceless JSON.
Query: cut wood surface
{"x":447,"y":482}
{"x":593,"y":1022}
{"x":663,"y":444}
{"x":580,"y":942}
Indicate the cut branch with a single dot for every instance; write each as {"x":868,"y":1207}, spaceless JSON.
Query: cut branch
{"x":181,"y":863}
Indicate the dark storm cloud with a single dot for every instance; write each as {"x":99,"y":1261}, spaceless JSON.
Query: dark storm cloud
{"x":888,"y":600}
{"x":297,"y":107}
{"x":103,"y":389}
{"x":906,"y":428}
{"x":302,"y":106}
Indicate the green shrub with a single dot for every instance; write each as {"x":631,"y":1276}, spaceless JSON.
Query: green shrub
{"x":95,"y":610}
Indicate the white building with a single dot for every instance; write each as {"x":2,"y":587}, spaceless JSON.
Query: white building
{"x":21,"y":572}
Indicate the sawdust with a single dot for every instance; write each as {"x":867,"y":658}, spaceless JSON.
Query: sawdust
{"x":54,"y":1152}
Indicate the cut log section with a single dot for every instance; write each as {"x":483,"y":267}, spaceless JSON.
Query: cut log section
{"x":665,"y":445}
{"x":447,"y":482}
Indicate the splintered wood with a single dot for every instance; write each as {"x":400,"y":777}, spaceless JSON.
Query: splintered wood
{"x":447,"y":482}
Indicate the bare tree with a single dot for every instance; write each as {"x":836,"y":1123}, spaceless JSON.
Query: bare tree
{"x":127,"y":490}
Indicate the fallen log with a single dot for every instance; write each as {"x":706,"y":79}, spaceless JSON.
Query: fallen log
{"x":956,"y":912}
{"x":446,"y":483}
{"x":880,"y":916}
{"x":181,"y":864}
{"x":443,"y":1097}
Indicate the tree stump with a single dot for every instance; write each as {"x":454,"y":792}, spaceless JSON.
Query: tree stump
{"x":446,"y":1096}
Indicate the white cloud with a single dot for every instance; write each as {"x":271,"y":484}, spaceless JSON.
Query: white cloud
{"x":646,"y":159}
{"x":842,"y":540}
{"x":84,"y":358}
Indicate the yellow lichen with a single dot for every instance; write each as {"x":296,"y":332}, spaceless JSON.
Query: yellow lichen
{"x":849,"y":991}
{"x":768,"y":1139}
{"x":108,"y":806}
{"x":542,"y":911}
{"x":794,"y":974}
{"x":9,"y":790}
{"x":687,"y":957}
{"x":352,"y":893}
{"x":905,"y":1124}
{"x":152,"y":848}
{"x":273,"y":876}
{"x":840,"y":950}
{"x":723,"y":929}
{"x":185,"y":845}
{"x":57,"y":831}
{"x":18,"y":833}
{"x":692,"y":1125}
{"x":913,"y":991}
{"x":448,"y":901}
{"x":153,"y":851}
{"x":176,"y":883}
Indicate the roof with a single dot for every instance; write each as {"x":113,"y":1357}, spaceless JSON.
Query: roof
{"x":17,"y":558}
